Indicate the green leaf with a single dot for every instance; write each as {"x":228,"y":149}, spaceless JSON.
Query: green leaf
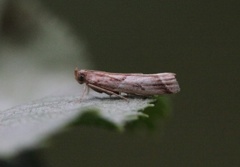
{"x":26,"y":126}
{"x":156,"y":114}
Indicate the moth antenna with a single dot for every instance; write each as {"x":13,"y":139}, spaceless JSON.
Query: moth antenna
{"x":75,"y":72}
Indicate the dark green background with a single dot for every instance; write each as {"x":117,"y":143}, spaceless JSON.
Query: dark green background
{"x":198,"y":40}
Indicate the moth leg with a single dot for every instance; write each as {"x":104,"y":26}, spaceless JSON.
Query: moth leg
{"x":105,"y":91}
{"x":138,"y":95}
{"x":85,"y":91}
{"x":97,"y":90}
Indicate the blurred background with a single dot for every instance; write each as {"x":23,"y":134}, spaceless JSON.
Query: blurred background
{"x":43,"y":41}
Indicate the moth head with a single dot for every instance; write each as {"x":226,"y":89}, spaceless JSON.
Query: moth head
{"x":79,"y":75}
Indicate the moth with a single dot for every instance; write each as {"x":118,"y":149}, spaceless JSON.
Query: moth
{"x":134,"y":84}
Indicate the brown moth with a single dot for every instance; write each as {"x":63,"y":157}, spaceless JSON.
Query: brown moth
{"x":136,"y":84}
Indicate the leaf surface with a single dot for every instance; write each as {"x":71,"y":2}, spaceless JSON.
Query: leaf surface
{"x":26,"y":126}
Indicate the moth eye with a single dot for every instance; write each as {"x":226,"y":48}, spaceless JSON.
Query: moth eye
{"x":81,"y":78}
